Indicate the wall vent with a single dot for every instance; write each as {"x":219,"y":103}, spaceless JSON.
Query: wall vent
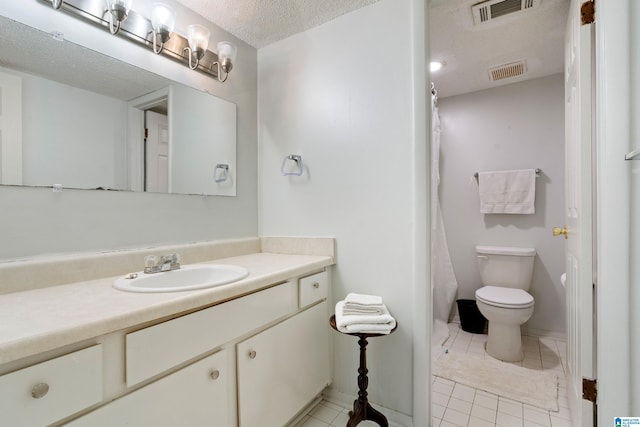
{"x":492,"y":9}
{"x":506,"y":71}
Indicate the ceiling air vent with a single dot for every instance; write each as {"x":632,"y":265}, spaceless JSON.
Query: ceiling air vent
{"x":492,"y":9}
{"x":506,"y":71}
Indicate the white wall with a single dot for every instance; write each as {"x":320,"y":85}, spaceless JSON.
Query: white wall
{"x":332,"y":95}
{"x":519,"y":126}
{"x":35,"y":221}
{"x":55,"y":135}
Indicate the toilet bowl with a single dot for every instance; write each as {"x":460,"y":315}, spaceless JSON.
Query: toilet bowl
{"x":503,"y":299}
{"x":506,"y":311}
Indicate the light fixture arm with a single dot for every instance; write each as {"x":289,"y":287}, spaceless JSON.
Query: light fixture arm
{"x":114,"y":28}
{"x":220,"y":70}
{"x":119,"y":14}
{"x":198,"y":54}
{"x":163,"y":35}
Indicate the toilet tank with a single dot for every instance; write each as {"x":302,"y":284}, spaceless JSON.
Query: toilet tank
{"x":505,"y":266}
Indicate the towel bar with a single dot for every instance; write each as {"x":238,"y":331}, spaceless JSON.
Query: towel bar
{"x":538,"y":171}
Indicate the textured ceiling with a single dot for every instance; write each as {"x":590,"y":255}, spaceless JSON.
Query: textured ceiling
{"x":261,"y":22}
{"x":535,"y":35}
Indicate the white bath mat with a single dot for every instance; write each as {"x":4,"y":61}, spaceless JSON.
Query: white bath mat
{"x":536,"y":388}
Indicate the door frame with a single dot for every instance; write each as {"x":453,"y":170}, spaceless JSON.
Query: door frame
{"x":135,"y":135}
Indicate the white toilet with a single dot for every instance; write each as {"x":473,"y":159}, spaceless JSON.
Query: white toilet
{"x":503,"y":298}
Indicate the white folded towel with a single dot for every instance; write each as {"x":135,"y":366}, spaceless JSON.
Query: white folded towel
{"x":377,"y":323}
{"x":356,"y":304}
{"x":371,"y":328}
{"x":507,"y":192}
{"x":362,"y":299}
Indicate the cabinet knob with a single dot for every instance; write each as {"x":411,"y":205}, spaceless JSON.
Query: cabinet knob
{"x":215,"y":374}
{"x":39,"y":390}
{"x":252,"y":354}
{"x":316,"y":285}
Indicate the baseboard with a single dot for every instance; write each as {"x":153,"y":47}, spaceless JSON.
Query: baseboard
{"x":540,"y":333}
{"x":297,"y":420}
{"x":396,"y":419}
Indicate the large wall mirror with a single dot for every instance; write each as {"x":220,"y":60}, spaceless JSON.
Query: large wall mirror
{"x":80,"y":119}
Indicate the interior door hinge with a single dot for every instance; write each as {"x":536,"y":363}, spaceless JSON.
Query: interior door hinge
{"x":589,"y":389}
{"x":588,"y":12}
{"x":146,"y":132}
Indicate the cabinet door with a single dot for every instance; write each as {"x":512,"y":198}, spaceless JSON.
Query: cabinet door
{"x":283,"y":368}
{"x":193,"y":396}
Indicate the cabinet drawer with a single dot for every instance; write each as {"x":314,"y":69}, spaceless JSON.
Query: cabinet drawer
{"x":313,"y":288}
{"x":51,"y":390}
{"x":155,"y":349}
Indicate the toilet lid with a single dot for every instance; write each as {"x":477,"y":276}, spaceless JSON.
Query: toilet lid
{"x":504,"y":297}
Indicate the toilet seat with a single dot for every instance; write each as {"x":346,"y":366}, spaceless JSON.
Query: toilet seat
{"x":504,"y":297}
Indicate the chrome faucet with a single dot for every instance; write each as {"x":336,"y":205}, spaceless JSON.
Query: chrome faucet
{"x":155,"y":264}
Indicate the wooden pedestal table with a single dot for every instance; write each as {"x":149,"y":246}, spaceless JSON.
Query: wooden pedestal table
{"x":362,"y":410}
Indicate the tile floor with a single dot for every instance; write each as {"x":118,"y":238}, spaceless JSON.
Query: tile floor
{"x":454,"y":404}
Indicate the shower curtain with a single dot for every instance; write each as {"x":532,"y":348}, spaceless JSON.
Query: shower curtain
{"x":443,"y":280}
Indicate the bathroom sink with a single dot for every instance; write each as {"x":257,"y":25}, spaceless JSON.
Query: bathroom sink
{"x":187,"y":278}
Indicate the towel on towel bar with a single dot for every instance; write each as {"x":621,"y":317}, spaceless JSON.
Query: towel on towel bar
{"x":507,"y":192}
{"x":377,"y":323}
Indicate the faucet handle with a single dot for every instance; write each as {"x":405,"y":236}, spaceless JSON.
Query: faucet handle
{"x":151,"y":261}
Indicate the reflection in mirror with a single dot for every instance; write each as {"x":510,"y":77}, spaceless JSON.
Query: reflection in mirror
{"x":78,"y":118}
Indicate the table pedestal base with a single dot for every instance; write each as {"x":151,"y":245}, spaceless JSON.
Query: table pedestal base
{"x":362,"y":410}
{"x":365,"y":412}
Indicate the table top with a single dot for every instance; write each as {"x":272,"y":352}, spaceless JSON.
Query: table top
{"x":332,"y":322}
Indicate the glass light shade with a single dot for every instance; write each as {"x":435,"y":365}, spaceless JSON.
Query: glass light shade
{"x":163,"y":17}
{"x":227,"y":51}
{"x":198,"y":37}
{"x":119,"y":4}
{"x":435,"y":66}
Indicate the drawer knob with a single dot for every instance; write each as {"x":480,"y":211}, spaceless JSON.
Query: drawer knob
{"x":39,"y":390}
{"x":316,"y":285}
{"x":252,"y":354}
{"x":215,"y":374}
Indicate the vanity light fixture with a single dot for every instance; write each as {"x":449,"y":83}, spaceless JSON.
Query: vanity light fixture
{"x":163,"y":20}
{"x":156,"y":32}
{"x":198,"y":37}
{"x":119,"y":10}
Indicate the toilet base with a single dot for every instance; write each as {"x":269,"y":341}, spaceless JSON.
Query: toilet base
{"x":505,"y":342}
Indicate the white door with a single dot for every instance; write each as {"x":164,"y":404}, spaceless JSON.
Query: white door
{"x":10,"y":129}
{"x":578,"y":213}
{"x":157,"y":153}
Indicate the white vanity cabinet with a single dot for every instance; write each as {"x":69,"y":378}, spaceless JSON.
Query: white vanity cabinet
{"x":196,"y":395}
{"x":283,"y":368}
{"x":254,"y":359}
{"x":48,"y":391}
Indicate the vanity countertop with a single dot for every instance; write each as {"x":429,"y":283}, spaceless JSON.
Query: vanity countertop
{"x":40,"y":320}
